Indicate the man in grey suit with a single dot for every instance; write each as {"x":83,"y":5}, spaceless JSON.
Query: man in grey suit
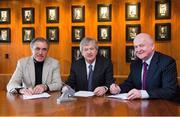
{"x":37,"y":73}
{"x":153,"y":75}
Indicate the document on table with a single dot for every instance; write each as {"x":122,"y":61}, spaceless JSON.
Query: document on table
{"x":84,"y":94}
{"x":119,"y":96}
{"x":42,"y":95}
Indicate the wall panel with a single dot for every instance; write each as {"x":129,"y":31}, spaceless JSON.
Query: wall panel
{"x":62,"y":50}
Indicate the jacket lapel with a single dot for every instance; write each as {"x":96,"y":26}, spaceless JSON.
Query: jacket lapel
{"x":31,"y":70}
{"x":97,"y":70}
{"x":139,"y":71}
{"x":152,"y":68}
{"x":45,"y":72}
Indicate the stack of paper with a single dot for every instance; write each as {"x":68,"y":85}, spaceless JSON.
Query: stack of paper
{"x":119,"y":96}
{"x":84,"y":94}
{"x":42,"y":95}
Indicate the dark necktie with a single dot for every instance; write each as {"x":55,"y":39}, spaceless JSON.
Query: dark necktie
{"x":144,"y":75}
{"x":90,"y":78}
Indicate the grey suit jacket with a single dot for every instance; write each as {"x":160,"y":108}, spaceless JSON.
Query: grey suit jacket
{"x":24,"y":75}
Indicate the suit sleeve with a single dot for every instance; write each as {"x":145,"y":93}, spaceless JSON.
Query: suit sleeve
{"x":127,"y":85}
{"x":71,"y":81}
{"x":109,"y":74}
{"x":169,"y":82}
{"x":16,"y":79}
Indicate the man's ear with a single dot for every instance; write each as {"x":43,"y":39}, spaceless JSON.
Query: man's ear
{"x":153,"y":47}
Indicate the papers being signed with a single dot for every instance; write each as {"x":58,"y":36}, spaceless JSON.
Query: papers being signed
{"x":84,"y":94}
{"x":42,"y":95}
{"x":119,"y":96}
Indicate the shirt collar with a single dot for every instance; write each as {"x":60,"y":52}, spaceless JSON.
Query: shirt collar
{"x":93,"y":64}
{"x":148,"y":61}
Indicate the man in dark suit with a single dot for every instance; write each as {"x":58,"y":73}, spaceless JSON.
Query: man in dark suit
{"x":98,"y":77}
{"x":152,"y":75}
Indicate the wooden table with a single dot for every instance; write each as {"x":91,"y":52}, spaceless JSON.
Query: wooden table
{"x":15,"y":105}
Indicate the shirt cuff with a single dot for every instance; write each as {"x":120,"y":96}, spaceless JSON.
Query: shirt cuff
{"x":144,"y":94}
{"x":106,"y":88}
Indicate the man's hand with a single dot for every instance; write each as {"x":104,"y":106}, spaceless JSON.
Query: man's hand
{"x":99,"y":91}
{"x":40,"y":88}
{"x":28,"y":91}
{"x":114,"y":89}
{"x":134,"y":94}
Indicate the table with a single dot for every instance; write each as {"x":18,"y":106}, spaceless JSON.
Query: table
{"x":15,"y":105}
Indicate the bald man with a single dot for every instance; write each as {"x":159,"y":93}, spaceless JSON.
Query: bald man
{"x":153,"y":75}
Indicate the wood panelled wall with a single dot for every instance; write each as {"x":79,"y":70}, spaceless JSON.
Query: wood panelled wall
{"x":62,"y":50}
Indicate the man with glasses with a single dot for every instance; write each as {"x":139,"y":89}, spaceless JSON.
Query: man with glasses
{"x":37,"y":73}
{"x":92,"y":72}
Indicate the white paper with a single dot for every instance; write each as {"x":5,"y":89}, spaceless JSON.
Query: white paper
{"x":42,"y":95}
{"x":119,"y":96}
{"x":84,"y":94}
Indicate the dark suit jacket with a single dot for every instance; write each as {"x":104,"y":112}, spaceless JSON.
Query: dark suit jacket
{"x":161,"y":77}
{"x":102,"y":75}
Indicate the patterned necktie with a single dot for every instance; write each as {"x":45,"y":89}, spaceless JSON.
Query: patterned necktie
{"x":90,"y":78}
{"x":144,"y":75}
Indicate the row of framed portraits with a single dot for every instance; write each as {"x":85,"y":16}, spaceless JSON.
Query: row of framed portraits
{"x":162,"y":11}
{"x":105,"y":51}
{"x":162,"y":33}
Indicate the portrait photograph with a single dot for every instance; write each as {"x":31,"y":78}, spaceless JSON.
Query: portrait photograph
{"x":5,"y":35}
{"x":28,"y":15}
{"x":5,"y":15}
{"x":104,"y":33}
{"x":104,"y":12}
{"x":78,"y":13}
{"x":52,"y":14}
{"x":163,"y":31}
{"x":76,"y":54}
{"x":28,"y":34}
{"x":131,"y":31}
{"x":78,"y":33}
{"x":130,"y":54}
{"x":105,"y":51}
{"x":132,"y":11}
{"x":163,"y":9}
{"x":52,"y":34}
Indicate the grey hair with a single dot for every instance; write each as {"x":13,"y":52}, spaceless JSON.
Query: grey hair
{"x":39,"y":39}
{"x":88,"y":41}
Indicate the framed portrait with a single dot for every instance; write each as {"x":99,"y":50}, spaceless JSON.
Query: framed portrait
{"x":52,"y":14}
{"x":130,"y":54}
{"x":28,"y":34}
{"x":131,"y":31}
{"x":28,"y":15}
{"x":5,"y":15}
{"x":104,"y":33}
{"x":78,"y":13}
{"x":52,"y":34}
{"x":76,"y":54}
{"x":163,"y":31}
{"x":105,"y":51}
{"x":5,"y":35}
{"x":163,"y":9}
{"x":78,"y":32}
{"x":104,"y":12}
{"x":132,"y":11}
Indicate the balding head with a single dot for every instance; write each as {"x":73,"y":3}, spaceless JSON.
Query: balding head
{"x":144,"y":36}
{"x":144,"y":46}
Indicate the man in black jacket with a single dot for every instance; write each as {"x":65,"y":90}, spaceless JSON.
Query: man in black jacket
{"x":92,"y":72}
{"x":152,"y":75}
